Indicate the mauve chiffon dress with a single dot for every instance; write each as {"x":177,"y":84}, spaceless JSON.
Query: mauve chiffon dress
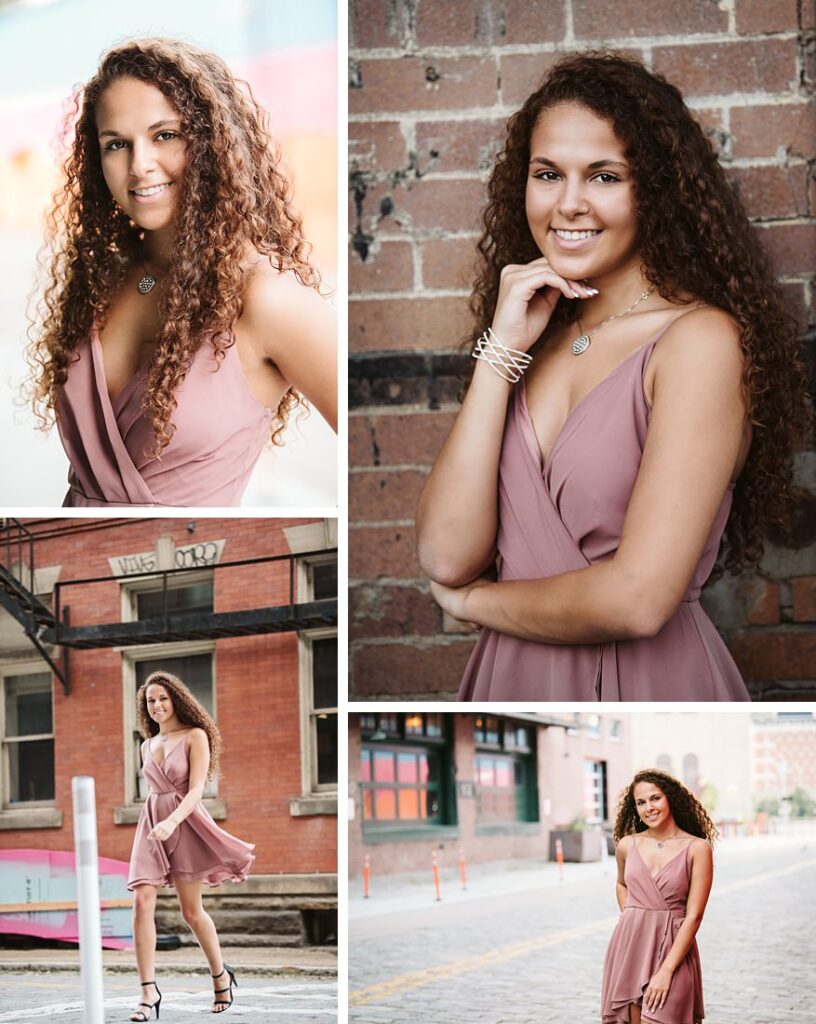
{"x":655,"y":908}
{"x":198,"y":850}
{"x":567,"y":512}
{"x":220,"y":431}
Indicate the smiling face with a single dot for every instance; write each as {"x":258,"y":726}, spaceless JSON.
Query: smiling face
{"x":580,"y":196}
{"x":652,"y":805}
{"x":159,"y":704}
{"x":142,"y":151}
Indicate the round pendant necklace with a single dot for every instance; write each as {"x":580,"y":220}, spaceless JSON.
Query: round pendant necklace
{"x":147,"y":281}
{"x":662,"y":842}
{"x":584,"y":340}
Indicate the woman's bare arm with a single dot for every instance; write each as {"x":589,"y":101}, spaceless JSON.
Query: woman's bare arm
{"x":457,"y":517}
{"x":296,"y":329}
{"x":621,"y":853}
{"x":692,"y":449}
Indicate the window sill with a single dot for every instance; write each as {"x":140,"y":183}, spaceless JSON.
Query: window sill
{"x":315,"y":803}
{"x":129,"y":815}
{"x":420,"y":833}
{"x":510,"y":828}
{"x":33,"y":817}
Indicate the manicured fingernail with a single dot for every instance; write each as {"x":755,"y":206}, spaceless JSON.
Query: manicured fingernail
{"x":594,"y":291}
{"x":575,"y":294}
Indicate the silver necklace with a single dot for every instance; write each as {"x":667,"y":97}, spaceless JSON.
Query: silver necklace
{"x":147,"y":281}
{"x":584,"y":340}
{"x":662,"y":842}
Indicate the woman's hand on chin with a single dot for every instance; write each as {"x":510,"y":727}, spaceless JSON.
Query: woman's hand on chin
{"x":454,"y":600}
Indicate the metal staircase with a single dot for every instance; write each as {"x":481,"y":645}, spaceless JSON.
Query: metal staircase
{"x":17,"y":592}
{"x":47,"y":628}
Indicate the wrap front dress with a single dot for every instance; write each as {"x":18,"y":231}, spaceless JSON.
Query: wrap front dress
{"x":198,"y":850}
{"x":567,"y":512}
{"x":655,"y":908}
{"x":220,"y":431}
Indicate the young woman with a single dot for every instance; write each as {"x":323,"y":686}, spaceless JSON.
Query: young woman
{"x":182,"y":320}
{"x":665,"y":867}
{"x":177,"y":843}
{"x":659,"y":405}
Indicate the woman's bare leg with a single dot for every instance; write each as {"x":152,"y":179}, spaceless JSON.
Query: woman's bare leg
{"x":634,"y":1013}
{"x":144,"y":940}
{"x":201,"y":925}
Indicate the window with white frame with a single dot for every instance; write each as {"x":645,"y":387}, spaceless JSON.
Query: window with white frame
{"x":27,"y":737}
{"x":317,"y":580}
{"x":191,"y":661}
{"x":595,"y":797}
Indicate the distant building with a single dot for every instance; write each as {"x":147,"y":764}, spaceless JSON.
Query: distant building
{"x":710,"y":753}
{"x":493,"y":785}
{"x":90,"y":607}
{"x":783,"y":753}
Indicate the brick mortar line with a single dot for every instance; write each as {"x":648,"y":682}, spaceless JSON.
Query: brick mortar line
{"x":409,"y":409}
{"x":567,"y":45}
{"x":404,"y":524}
{"x":429,"y":293}
{"x":413,"y":582}
{"x":416,"y":641}
{"x":696,"y":102}
{"x":396,"y":467}
{"x":356,"y":701}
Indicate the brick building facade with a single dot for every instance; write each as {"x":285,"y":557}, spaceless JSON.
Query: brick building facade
{"x":431,"y":87}
{"x":273,"y":696}
{"x":493,"y":786}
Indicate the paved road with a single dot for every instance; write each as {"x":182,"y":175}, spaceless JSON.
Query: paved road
{"x":33,"y":997}
{"x":536,"y":955}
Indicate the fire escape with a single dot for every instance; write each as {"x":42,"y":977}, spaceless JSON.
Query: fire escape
{"x":48,"y":628}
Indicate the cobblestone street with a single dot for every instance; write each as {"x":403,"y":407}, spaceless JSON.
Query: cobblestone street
{"x":535,"y":954}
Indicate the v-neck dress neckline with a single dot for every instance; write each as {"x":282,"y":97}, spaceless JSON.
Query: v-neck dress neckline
{"x":219,"y":429}
{"x":566,"y":512}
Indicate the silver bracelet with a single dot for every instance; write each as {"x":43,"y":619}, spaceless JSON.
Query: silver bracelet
{"x":509,"y":363}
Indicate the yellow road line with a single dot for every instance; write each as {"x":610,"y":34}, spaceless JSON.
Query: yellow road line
{"x":416,"y":979}
{"x":380,"y":991}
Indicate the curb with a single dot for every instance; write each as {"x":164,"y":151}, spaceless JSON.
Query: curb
{"x":255,"y":970}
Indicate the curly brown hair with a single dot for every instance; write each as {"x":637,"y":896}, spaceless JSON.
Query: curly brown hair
{"x":234,"y":195}
{"x":687,"y":811}
{"x":187,"y":709}
{"x":694,"y":239}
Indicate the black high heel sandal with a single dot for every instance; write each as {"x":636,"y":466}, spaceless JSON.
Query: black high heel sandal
{"x":140,"y":1015}
{"x":226,"y":969}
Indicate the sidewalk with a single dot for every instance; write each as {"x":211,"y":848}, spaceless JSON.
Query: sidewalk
{"x":414,"y":891}
{"x":258,"y":961}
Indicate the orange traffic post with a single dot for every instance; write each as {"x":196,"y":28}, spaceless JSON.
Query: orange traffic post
{"x":435,"y":866}
{"x":463,"y":869}
{"x":559,"y":857}
{"x":366,"y":875}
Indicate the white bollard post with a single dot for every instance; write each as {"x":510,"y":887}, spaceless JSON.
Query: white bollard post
{"x":87,"y":872}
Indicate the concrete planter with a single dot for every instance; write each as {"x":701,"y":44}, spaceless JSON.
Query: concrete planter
{"x":579,"y":847}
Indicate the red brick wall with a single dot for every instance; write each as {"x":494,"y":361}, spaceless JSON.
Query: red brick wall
{"x":560,"y":764}
{"x":257,"y":694}
{"x":431,"y":86}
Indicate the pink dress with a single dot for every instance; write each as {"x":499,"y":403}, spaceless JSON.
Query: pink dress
{"x":220,"y":431}
{"x":568,"y":513}
{"x":655,"y":908}
{"x":198,"y":850}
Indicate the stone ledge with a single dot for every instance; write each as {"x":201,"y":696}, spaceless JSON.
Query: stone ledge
{"x":302,"y":806}
{"x":34,"y":817}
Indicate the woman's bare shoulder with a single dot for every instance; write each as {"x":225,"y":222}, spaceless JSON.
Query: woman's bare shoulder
{"x":625,"y":844}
